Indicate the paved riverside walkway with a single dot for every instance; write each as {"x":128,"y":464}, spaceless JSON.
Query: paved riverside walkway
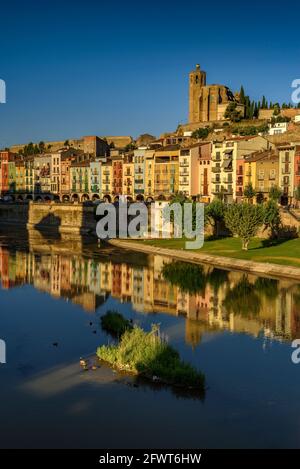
{"x":265,"y":269}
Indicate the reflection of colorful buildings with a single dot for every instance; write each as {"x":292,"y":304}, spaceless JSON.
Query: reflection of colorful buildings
{"x":88,"y":282}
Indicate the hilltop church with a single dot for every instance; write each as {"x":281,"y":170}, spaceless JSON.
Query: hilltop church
{"x":208,"y":103}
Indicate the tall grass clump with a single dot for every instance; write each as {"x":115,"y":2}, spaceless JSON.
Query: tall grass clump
{"x":114,"y":323}
{"x":148,"y":354}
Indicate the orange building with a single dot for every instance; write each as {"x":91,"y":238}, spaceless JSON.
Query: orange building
{"x":117,"y":175}
{"x":297,"y":167}
{"x":5,"y":158}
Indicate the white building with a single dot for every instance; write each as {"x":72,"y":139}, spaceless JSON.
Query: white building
{"x":278,"y":128}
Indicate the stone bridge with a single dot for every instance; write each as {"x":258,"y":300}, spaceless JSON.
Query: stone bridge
{"x":55,"y":217}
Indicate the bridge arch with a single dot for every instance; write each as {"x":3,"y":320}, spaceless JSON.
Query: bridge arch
{"x":75,"y":198}
{"x":107,"y":198}
{"x":65,"y":198}
{"x":85,"y":198}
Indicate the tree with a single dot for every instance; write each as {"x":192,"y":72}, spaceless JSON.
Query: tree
{"x":130,"y":147}
{"x":275,"y":193}
{"x":249,"y":192}
{"x":276,"y":111}
{"x":272,"y":217}
{"x":232,"y":113}
{"x":242,"y":96}
{"x":41,"y":147}
{"x":244,"y":220}
{"x":264,"y":103}
{"x":66,"y":144}
{"x":263,"y":128}
{"x":214,"y":214}
{"x":201,"y":133}
{"x":243,"y":299}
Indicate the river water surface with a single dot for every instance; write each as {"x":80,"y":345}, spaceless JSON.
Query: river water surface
{"x":237,"y":329}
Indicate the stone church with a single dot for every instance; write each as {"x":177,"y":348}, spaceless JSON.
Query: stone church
{"x":208,"y":103}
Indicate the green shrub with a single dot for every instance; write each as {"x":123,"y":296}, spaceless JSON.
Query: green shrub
{"x":147,"y":353}
{"x":114,"y":323}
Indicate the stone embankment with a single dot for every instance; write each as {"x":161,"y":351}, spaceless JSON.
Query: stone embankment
{"x":264,"y":269}
{"x":68,"y":218}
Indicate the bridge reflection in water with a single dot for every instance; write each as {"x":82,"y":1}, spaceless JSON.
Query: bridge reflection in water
{"x":78,"y":271}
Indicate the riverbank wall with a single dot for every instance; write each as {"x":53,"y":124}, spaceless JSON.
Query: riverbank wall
{"x":61,"y":218}
{"x":220,"y":262}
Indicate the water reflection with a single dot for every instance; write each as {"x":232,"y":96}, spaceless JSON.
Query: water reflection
{"x":210,"y":299}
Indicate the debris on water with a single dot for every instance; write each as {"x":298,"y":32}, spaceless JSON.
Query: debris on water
{"x":83,"y":362}
{"x":55,"y":344}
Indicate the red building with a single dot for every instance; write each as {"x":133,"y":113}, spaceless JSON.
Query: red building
{"x":297,"y":167}
{"x":117,"y":176}
{"x":5,"y":157}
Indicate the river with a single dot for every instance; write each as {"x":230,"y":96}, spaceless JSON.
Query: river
{"x":237,"y":329}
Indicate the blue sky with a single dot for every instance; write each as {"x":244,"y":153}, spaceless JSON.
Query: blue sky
{"x":120,"y":68}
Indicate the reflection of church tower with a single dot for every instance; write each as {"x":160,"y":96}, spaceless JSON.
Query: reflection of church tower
{"x":197,"y":81}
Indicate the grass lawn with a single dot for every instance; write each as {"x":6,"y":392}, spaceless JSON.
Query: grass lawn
{"x":260,"y":250}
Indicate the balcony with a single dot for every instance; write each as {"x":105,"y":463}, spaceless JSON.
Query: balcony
{"x":184,"y":164}
{"x":216,"y":181}
{"x":286,"y":170}
{"x":216,"y":169}
{"x":285,"y":182}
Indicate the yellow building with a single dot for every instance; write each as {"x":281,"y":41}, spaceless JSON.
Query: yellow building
{"x":287,"y":154}
{"x":262,"y":171}
{"x":149,"y":173}
{"x":106,"y":180}
{"x":227,"y":164}
{"x":126,"y":279}
{"x":29,"y":175}
{"x":166,"y":171}
{"x":20,"y":176}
